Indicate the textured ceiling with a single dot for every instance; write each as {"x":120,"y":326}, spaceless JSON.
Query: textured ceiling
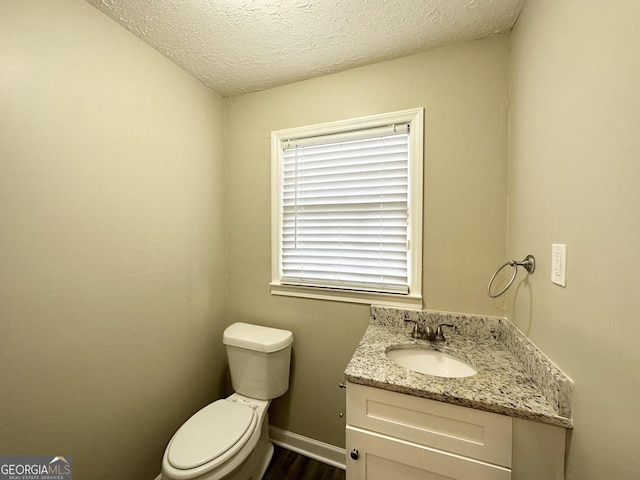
{"x":240,"y":46}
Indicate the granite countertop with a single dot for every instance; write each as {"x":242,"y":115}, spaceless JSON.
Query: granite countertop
{"x":502,"y":385}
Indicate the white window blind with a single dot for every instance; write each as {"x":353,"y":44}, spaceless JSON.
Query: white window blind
{"x":344,"y":210}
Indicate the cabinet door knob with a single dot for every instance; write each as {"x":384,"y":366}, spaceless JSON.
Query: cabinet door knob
{"x":355,"y":454}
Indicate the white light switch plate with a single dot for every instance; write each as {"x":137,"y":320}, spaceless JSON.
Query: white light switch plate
{"x":559,"y":264}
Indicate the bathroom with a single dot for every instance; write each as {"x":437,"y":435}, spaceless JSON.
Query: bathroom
{"x":136,"y":225}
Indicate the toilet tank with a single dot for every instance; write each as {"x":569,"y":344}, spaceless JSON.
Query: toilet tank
{"x":259,"y":359}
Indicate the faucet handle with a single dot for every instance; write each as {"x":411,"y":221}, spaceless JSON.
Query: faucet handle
{"x":439,"y":336}
{"x":417,"y":330}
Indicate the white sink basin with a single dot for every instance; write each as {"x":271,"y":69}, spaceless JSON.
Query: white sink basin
{"x":431,"y":362}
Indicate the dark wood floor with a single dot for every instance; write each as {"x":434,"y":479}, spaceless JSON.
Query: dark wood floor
{"x":288,"y":465}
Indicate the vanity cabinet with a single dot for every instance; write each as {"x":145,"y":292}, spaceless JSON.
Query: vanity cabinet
{"x":391,"y":435}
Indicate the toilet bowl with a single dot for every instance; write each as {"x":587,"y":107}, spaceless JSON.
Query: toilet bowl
{"x":229,"y":438}
{"x":217,"y":440}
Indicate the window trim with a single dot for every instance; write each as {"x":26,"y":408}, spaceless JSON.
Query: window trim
{"x":416,"y":134}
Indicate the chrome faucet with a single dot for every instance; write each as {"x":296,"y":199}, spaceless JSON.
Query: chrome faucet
{"x":428,"y":333}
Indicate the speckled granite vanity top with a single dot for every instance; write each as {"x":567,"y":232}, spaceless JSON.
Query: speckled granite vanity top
{"x":514,"y":378}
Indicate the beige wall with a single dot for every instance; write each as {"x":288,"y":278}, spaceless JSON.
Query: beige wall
{"x":573,"y":178}
{"x":111,"y":258}
{"x":463,"y":89}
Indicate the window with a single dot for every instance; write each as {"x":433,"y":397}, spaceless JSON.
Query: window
{"x":347,"y":210}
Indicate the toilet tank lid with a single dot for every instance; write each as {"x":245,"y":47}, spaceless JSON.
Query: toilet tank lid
{"x":257,"y":337}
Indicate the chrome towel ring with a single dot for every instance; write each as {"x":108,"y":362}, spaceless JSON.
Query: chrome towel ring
{"x":529,"y":264}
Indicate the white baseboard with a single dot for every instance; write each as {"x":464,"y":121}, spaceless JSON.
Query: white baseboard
{"x":323,"y":452}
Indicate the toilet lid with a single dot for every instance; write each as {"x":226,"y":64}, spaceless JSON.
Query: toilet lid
{"x":210,"y":433}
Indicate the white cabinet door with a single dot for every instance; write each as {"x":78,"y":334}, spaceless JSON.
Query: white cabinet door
{"x":380,"y":457}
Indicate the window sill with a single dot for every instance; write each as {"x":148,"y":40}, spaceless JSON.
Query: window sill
{"x":337,"y":295}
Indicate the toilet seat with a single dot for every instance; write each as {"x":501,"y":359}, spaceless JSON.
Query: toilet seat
{"x":212,"y":435}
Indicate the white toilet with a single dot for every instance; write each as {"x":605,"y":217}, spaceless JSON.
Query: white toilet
{"x":229,"y":438}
